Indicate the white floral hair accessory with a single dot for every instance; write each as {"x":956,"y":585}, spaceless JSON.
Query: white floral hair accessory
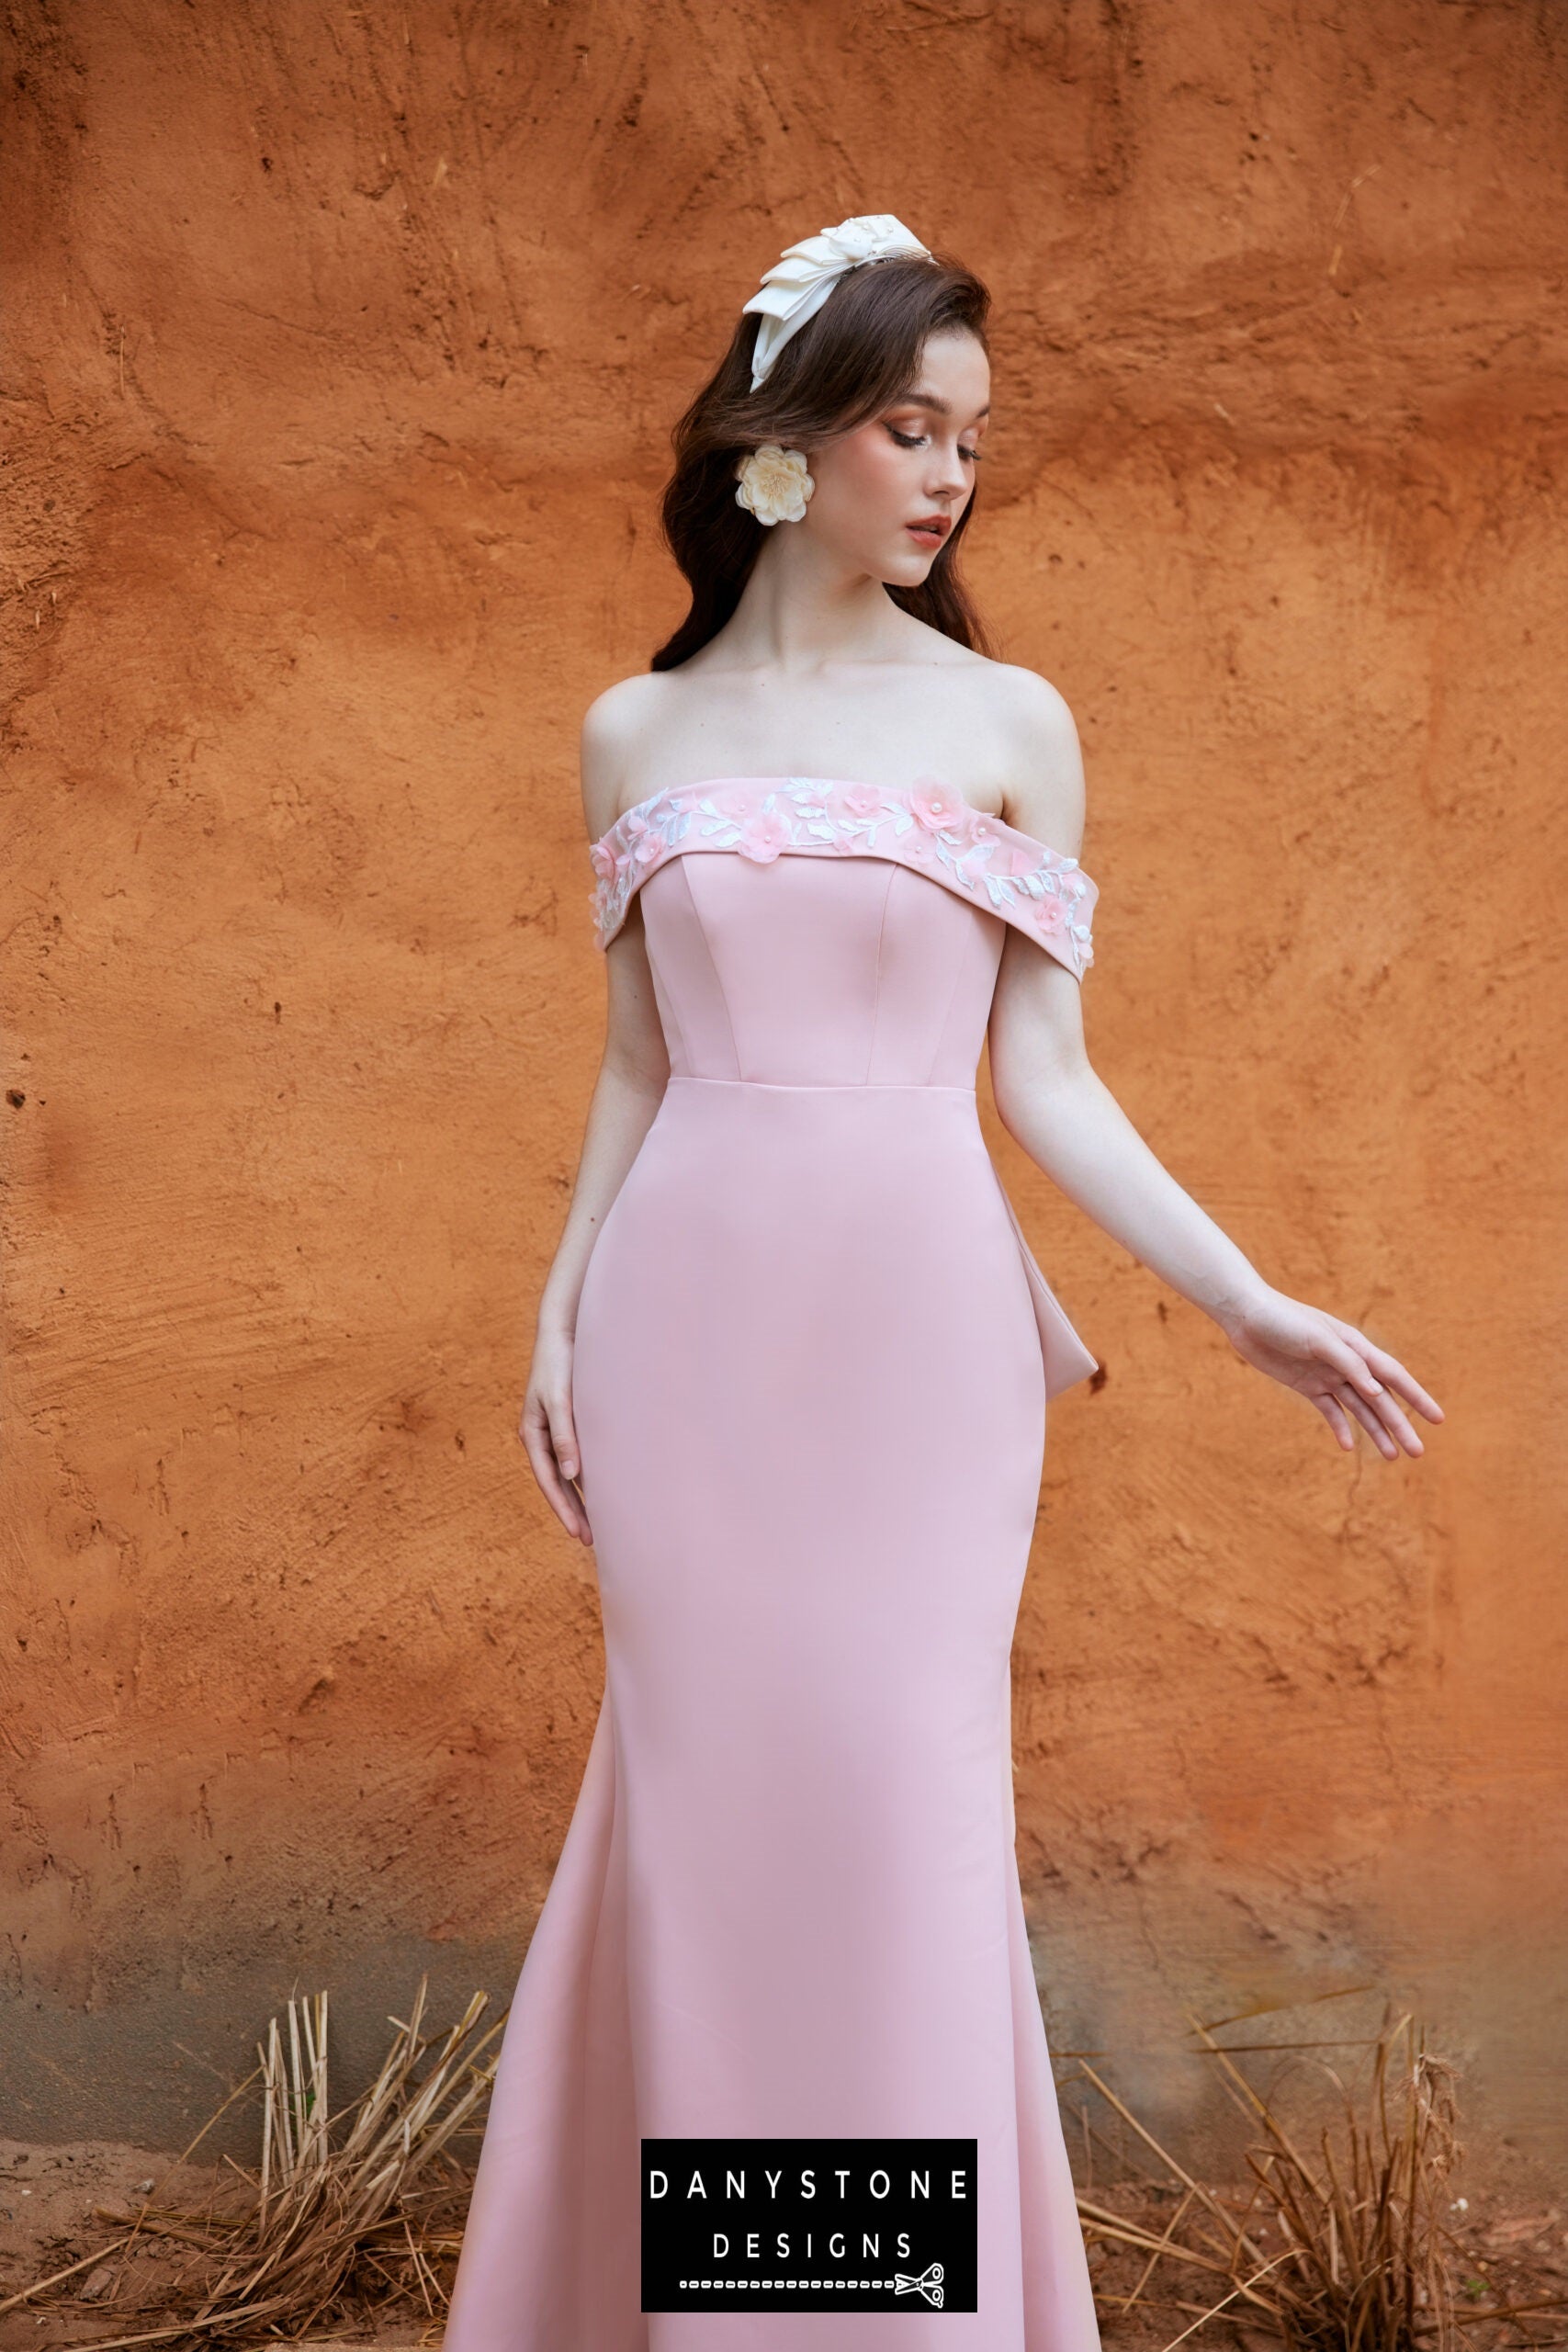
{"x":774,"y":484}
{"x":802,"y":279}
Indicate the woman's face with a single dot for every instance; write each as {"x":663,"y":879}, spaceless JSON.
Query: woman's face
{"x":889,"y":494}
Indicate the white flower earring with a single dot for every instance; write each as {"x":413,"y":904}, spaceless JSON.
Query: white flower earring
{"x":774,"y":484}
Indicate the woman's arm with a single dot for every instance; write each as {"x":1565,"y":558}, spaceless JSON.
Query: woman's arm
{"x":1055,"y":1105}
{"x":630,"y":1088}
{"x":633,"y":1072}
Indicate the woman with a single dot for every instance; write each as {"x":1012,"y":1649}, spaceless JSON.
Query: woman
{"x":793,"y":1358}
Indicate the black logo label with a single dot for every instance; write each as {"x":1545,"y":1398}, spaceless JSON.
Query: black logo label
{"x":808,"y":2225}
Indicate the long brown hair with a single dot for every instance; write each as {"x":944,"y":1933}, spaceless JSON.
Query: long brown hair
{"x":856,"y":357}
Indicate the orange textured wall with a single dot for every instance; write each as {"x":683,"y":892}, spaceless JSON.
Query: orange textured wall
{"x":343,"y":346}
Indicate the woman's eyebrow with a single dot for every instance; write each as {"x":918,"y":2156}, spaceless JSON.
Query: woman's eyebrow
{"x":931,"y":400}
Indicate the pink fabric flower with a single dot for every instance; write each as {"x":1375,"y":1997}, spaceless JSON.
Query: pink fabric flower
{"x":935,"y":806}
{"x":863,"y":799}
{"x":766,"y":835}
{"x":1050,"y":915}
{"x":604,"y":864}
{"x":643,"y":841}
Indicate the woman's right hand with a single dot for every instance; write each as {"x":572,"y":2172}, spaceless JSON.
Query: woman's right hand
{"x":548,"y":1431}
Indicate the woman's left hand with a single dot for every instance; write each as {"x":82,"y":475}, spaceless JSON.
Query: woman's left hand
{"x":1335,"y":1367}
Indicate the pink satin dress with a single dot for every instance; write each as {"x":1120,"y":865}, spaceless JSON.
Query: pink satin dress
{"x":812,"y":1363}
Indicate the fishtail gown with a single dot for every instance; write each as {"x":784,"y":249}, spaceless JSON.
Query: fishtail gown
{"x":812,"y":1360}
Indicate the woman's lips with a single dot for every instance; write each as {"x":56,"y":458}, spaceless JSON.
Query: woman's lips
{"x":931,"y":535}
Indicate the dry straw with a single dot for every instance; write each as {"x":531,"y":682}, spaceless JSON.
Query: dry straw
{"x":347,"y":2213}
{"x":353,"y":2213}
{"x":1365,"y":2263}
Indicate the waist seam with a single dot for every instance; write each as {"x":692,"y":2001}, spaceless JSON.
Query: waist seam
{"x":848,"y":1086}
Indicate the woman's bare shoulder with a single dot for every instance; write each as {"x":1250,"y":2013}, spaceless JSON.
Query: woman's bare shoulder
{"x":613,"y":720}
{"x":1045,"y":793}
{"x":614,"y":725}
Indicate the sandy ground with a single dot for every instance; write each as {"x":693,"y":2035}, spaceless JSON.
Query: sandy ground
{"x":1513,"y":2251}
{"x":52,"y":2202}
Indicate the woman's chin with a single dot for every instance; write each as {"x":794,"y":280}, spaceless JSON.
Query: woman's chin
{"x":908,"y":567}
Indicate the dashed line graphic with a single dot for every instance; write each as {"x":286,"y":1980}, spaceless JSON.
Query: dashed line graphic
{"x":929,"y":2284}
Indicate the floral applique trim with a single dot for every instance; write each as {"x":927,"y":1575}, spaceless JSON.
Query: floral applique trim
{"x":929,"y":828}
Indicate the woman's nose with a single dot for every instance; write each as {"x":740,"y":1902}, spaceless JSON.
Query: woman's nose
{"x":949,"y":479}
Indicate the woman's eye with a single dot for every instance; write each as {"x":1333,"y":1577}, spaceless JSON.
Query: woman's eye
{"x":913,"y":441}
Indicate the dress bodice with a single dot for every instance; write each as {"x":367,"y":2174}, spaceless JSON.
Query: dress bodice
{"x":844,"y":965}
{"x":848,"y":940}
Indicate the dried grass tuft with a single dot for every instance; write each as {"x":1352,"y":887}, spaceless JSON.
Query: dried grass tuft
{"x":1365,"y":2265}
{"x":355,"y":2213}
{"x":348,"y":2213}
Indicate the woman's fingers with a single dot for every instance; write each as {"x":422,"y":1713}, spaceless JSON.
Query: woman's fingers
{"x":563,"y":1438}
{"x":1372,"y":1406}
{"x":563,"y":1435}
{"x":1394,"y":1374}
{"x":1392,"y":1382}
{"x":1352,"y":1367}
{"x":1368,"y":1419}
{"x":538,"y":1431}
{"x":1380,"y":1416}
{"x":557,"y":1493}
{"x":1390,"y":1371}
{"x":1345,"y":1375}
{"x":1397,"y":1423}
{"x":1333,"y":1413}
